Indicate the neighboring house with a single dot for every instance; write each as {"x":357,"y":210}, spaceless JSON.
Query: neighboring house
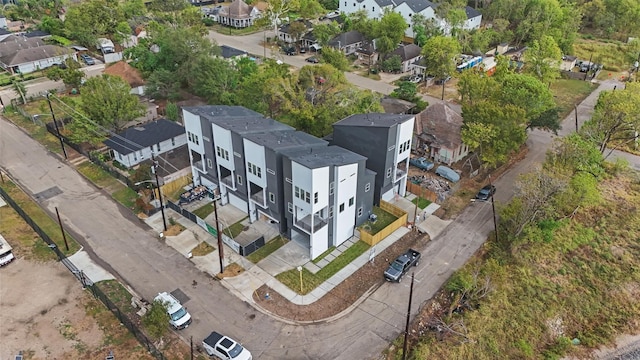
{"x":395,"y":106}
{"x":385,"y":140}
{"x":273,"y":172}
{"x":408,"y":54}
{"x":438,"y":134}
{"x":3,"y":22}
{"x":348,"y":42}
{"x":309,"y":41}
{"x":137,"y":144}
{"x":230,"y":53}
{"x":408,"y":9}
{"x":19,"y":54}
{"x":129,"y":74}
{"x":568,"y":62}
{"x":367,"y":54}
{"x":238,"y":14}
{"x":37,"y":34}
{"x":4,"y":33}
{"x":474,"y":18}
{"x":284,"y":33}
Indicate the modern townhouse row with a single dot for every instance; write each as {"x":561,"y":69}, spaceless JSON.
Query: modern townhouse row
{"x":315,"y":191}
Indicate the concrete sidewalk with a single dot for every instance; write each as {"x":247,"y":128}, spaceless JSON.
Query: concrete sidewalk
{"x":285,"y":258}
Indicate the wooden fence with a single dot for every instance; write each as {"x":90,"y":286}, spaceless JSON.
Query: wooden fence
{"x":399,"y":222}
{"x":422,"y":192}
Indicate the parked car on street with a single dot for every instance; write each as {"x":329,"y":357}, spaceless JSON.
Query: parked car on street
{"x":401,"y":265}
{"x":179,"y":317}
{"x":224,"y":347}
{"x":448,"y":173}
{"x":486,"y":192}
{"x":289,"y":50}
{"x":87,"y":59}
{"x":312,"y":59}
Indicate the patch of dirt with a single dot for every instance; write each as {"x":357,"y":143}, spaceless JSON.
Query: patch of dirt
{"x":231,"y":270}
{"x":174,"y":230}
{"x":343,"y":295}
{"x":43,"y":315}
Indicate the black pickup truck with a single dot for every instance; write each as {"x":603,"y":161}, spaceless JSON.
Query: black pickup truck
{"x":401,"y":265}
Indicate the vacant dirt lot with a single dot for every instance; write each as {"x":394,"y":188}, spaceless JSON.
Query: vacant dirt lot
{"x":43,"y":313}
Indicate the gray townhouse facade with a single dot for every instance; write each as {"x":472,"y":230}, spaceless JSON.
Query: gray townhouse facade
{"x":273,"y":172}
{"x":385,"y":140}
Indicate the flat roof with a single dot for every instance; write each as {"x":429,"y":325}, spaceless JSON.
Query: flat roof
{"x":282,"y":140}
{"x":374,"y":120}
{"x":314,"y":158}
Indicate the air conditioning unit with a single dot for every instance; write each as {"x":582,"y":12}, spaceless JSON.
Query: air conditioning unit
{"x":373,"y":217}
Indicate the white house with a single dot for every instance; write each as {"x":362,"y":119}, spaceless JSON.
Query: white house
{"x":22,"y":55}
{"x":137,"y":144}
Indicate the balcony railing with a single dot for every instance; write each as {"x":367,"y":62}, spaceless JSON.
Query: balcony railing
{"x":258,"y":198}
{"x":228,"y":181}
{"x":400,"y":173}
{"x":199,"y":165}
{"x":305,"y":224}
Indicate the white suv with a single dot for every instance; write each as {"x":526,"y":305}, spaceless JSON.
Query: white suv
{"x":179,"y":318}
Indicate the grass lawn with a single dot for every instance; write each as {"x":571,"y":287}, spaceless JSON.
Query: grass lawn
{"x":204,"y":211}
{"x":202,"y":249}
{"x":118,"y":294}
{"x":226,"y":30}
{"x":268,"y":248}
{"x":234,"y":230}
{"x":323,"y":255}
{"x":610,"y":54}
{"x":422,"y":203}
{"x":25,"y":242}
{"x":310,"y":281}
{"x":126,"y":196}
{"x":568,"y":93}
{"x":42,"y":219}
{"x":384,"y":219}
{"x":98,"y":176}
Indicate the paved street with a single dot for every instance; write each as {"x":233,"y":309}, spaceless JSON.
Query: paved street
{"x":130,"y":250}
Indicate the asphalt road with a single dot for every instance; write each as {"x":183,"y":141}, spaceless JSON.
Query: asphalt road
{"x":126,"y":246}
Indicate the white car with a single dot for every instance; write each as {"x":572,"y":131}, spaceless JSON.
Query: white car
{"x":179,"y":317}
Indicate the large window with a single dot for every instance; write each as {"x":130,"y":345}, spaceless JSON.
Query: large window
{"x":222,"y":153}
{"x":255,"y":170}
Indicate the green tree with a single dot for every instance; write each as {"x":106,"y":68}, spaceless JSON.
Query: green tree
{"x":71,"y":76}
{"x":310,"y":9}
{"x":389,"y":32}
{"x":392,"y":64}
{"x":86,"y":21}
{"x":163,"y":84}
{"x":616,"y":118}
{"x":172,"y":111}
{"x":325,"y":32}
{"x":156,"y":320}
{"x":439,"y":53}
{"x":277,"y":9}
{"x":336,"y":58}
{"x":542,"y":59}
{"x":107,"y":101}
{"x":20,"y":89}
{"x":297,"y":29}
{"x":217,"y":81}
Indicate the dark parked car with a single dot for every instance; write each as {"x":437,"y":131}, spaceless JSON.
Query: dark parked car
{"x":486,"y":192}
{"x":421,"y":163}
{"x":87,"y":59}
{"x":313,"y":60}
{"x":290,"y":50}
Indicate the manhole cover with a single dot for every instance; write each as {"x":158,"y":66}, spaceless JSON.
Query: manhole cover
{"x":182,"y":297}
{"x":47,"y":194}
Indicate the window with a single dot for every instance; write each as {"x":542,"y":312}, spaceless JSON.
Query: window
{"x":297,"y":192}
{"x":209,"y":163}
{"x":315,"y":198}
{"x":239,"y":180}
{"x":367,"y":187}
{"x":342,"y":207}
{"x":359,"y":211}
{"x":119,"y":156}
{"x":288,"y":180}
{"x":389,"y":172}
{"x":158,"y":147}
{"x":135,"y":157}
{"x":307,"y":197}
{"x":290,"y":207}
{"x":271,"y":171}
{"x":189,"y":136}
{"x":222,"y":153}
{"x":332,"y":185}
{"x":272,"y":197}
{"x":345,"y":3}
{"x":255,"y":170}
{"x":351,"y":201}
{"x":330,"y":211}
{"x":391,"y":148}
{"x":173,"y":141}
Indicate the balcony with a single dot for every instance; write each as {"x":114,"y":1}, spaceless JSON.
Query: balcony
{"x":199,"y":165}
{"x":258,"y":198}
{"x":305,"y":224}
{"x":400,"y":173}
{"x":228,"y":181}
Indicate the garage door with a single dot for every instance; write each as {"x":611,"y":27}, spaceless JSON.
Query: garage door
{"x":239,"y":203}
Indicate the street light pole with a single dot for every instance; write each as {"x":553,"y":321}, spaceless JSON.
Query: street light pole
{"x":154,"y":168}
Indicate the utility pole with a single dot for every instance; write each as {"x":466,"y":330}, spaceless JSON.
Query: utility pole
{"x":493,"y":207}
{"x":406,"y":327}
{"x":575,"y":107}
{"x":154,"y":168}
{"x":219,"y":233}
{"x":442,"y":98}
{"x":55,"y":123}
{"x":64,"y":237}
{"x":589,"y":69}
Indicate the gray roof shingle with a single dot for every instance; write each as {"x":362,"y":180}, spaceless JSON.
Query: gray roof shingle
{"x":140,"y":137}
{"x":373,"y":120}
